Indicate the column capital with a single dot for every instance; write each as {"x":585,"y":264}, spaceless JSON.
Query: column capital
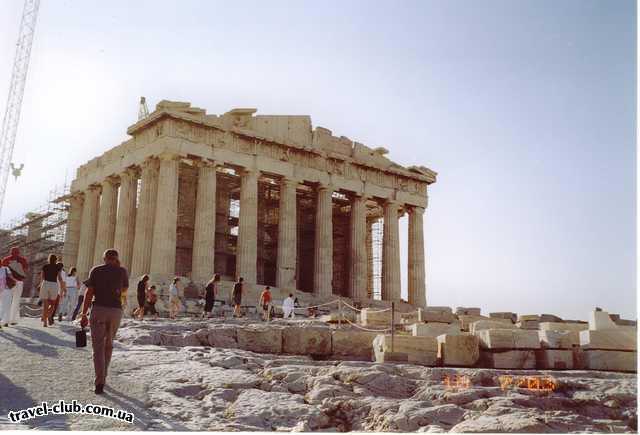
{"x":325,"y":186}
{"x":288,"y":181}
{"x":149,"y":163}
{"x":131,"y":171}
{"x":168,"y":156}
{"x":414,"y":209}
{"x":205,"y":163}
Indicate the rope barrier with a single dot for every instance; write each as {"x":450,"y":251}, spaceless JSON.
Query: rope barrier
{"x":317,"y":306}
{"x":366,"y":329}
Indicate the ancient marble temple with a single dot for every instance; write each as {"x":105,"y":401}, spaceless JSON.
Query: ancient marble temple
{"x":268,"y":198}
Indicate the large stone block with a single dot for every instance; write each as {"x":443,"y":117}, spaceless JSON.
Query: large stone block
{"x":600,"y":320}
{"x":467,"y":319}
{"x":495,"y":323}
{"x":614,"y":360}
{"x":508,"y":359}
{"x":223,"y":336}
{"x":260,"y":339}
{"x":525,"y":317}
{"x":528,"y":324}
{"x":458,"y":349}
{"x":508,"y":339}
{"x":419,"y":350}
{"x":550,"y":318}
{"x":466,"y":311}
{"x":609,"y":339}
{"x":307,"y":340}
{"x":376,"y":317}
{"x":558,"y":326}
{"x":353,"y":343}
{"x":434,"y":329}
{"x":552,"y":339}
{"x":504,"y":315}
{"x":550,"y":359}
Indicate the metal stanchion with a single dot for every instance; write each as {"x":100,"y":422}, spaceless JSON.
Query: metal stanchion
{"x":393,"y":326}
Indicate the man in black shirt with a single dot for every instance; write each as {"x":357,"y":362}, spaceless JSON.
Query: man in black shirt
{"x":106,"y":283}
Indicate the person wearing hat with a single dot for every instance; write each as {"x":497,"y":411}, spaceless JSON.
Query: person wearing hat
{"x":106,"y":283}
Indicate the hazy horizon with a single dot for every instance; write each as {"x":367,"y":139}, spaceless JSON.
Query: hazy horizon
{"x":527,"y":111}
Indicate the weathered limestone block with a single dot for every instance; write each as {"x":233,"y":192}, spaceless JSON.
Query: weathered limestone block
{"x":556,"y":326}
{"x":600,"y":320}
{"x":387,"y":357}
{"x":433,"y":329}
{"x":508,"y":339}
{"x":552,"y":339}
{"x":609,"y":339}
{"x":524,"y":317}
{"x":419,"y":350}
{"x":504,"y":315}
{"x":467,"y":319}
{"x":458,"y":349}
{"x":464,"y":311}
{"x":625,"y":322}
{"x":508,"y":359}
{"x":496,"y":323}
{"x":375,"y":317}
{"x":610,"y":360}
{"x":550,"y":318}
{"x":179,"y":340}
{"x":429,"y":314}
{"x":528,"y":324}
{"x":223,"y":336}
{"x":309,"y":340}
{"x":338,"y":317}
{"x":559,"y":359}
{"x":260,"y":339}
{"x":353,"y":343}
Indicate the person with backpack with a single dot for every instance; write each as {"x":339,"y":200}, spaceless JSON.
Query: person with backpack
{"x":18,"y":267}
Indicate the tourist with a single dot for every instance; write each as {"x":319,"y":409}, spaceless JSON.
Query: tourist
{"x":236,"y":297}
{"x":62,"y":293}
{"x":6,"y":296}
{"x":143,"y":286}
{"x":265,"y":303}
{"x":71,"y":294}
{"x":18,"y":266}
{"x":174,"y":298}
{"x":210,"y":295}
{"x":83,"y":289}
{"x":288,"y":307}
{"x":106,"y":283}
{"x":150,"y":302}
{"x":51,"y":281}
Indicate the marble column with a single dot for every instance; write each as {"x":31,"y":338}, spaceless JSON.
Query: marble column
{"x":145,"y":217}
{"x":106,"y":219}
{"x":323,"y":255}
{"x":88,"y":231}
{"x":126,"y":218}
{"x":163,"y":254}
{"x":391,"y":253}
{"x":222,"y":228}
{"x":204,"y":236}
{"x":416,"y":274}
{"x":72,"y":232}
{"x":247,"y":249}
{"x":287,"y":236}
{"x":358,"y":256}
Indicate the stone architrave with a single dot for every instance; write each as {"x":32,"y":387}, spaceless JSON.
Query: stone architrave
{"x":287,"y":235}
{"x":88,"y":231}
{"x":416,"y":266}
{"x":323,"y":255}
{"x":247,"y":249}
{"x":106,"y":219}
{"x":145,"y":217}
{"x":72,"y":232}
{"x":391,"y":253}
{"x":126,"y":217}
{"x":204,"y":236}
{"x":163,"y":254}
{"x":358,"y":248}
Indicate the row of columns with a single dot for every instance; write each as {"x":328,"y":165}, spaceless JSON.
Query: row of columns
{"x":145,"y":235}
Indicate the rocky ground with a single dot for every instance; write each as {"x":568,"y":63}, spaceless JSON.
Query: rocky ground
{"x":205,"y":388}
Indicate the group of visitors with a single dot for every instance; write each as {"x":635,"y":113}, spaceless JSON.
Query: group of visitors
{"x":147,"y":298}
{"x":60,"y":292}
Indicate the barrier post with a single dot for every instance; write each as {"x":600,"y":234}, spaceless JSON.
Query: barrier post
{"x":393,"y":327}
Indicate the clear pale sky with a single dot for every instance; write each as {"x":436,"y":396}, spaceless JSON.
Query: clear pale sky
{"x":527,"y":111}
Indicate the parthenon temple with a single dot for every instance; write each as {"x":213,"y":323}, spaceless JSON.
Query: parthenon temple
{"x":267,"y":198}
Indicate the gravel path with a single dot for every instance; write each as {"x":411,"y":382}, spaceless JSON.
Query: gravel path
{"x":42,"y":364}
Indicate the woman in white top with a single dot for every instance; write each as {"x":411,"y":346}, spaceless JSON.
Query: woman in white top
{"x":6,"y":297}
{"x":174,"y":298}
{"x":71,"y":295}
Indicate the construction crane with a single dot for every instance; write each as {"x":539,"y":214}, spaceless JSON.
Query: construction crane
{"x":16,"y":92}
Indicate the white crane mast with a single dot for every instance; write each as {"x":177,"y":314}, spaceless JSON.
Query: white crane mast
{"x":16,"y":92}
